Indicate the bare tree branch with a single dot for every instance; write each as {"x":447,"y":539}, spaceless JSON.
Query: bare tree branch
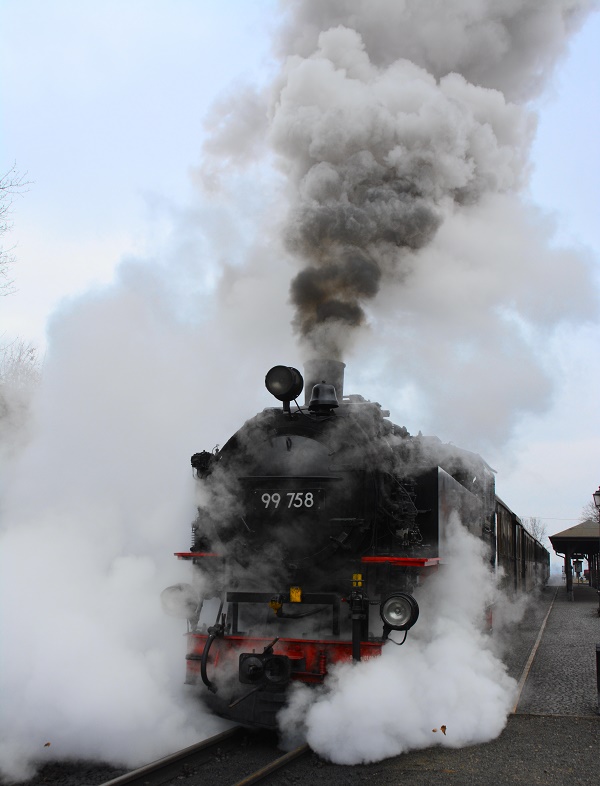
{"x":536,"y":527}
{"x":589,"y":511}
{"x":12,"y":184}
{"x":19,"y":377}
{"x":19,"y":363}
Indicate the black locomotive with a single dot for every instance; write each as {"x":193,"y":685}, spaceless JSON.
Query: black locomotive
{"x":316,"y":524}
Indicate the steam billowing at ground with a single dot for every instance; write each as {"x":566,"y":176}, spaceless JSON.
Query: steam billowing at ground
{"x":400,"y":134}
{"x":95,"y":501}
{"x":445,"y":675}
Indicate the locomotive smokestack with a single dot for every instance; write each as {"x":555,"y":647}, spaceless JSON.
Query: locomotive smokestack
{"x":329,"y":371}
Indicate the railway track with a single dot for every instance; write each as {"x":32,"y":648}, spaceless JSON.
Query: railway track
{"x":277,"y":764}
{"x":210,"y":755}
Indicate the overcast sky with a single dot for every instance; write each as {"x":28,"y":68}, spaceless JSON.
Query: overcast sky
{"x":561,"y":459}
{"x":103,"y":108}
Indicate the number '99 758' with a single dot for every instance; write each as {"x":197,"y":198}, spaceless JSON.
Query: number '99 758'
{"x":290,"y":499}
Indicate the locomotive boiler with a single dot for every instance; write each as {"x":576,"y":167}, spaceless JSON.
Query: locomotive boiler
{"x":316,"y":525}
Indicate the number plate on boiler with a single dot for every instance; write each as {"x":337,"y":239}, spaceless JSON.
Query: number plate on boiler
{"x":301,"y":501}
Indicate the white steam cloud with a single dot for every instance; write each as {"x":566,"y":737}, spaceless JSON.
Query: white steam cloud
{"x":96,"y":502}
{"x":503,"y":45}
{"x":445,"y":674}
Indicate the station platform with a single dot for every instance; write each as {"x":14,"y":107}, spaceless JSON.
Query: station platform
{"x":562,"y":677}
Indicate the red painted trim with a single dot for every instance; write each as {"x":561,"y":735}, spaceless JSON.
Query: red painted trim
{"x":317,"y":653}
{"x":411,"y":562}
{"x":195,"y":554}
{"x":295,"y":645}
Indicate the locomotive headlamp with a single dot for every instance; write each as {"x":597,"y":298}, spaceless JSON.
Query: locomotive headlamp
{"x":284,"y":382}
{"x":181,"y":600}
{"x":399,"y":612}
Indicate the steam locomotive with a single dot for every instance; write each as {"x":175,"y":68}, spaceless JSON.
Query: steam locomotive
{"x":316,"y":524}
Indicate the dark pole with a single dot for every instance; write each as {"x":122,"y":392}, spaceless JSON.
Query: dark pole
{"x":569,"y":572}
{"x":596,"y":498}
{"x":598,"y":674}
{"x":595,"y":571}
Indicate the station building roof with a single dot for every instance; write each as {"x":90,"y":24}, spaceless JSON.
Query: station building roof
{"x":583,"y":538}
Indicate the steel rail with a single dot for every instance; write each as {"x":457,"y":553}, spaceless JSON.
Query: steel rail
{"x":135,"y":776}
{"x":278,"y":764}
